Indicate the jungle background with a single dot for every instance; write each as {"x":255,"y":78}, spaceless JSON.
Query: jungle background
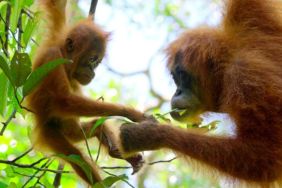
{"x":132,"y":73}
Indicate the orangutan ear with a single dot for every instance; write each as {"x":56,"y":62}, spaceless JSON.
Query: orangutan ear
{"x":69,"y":45}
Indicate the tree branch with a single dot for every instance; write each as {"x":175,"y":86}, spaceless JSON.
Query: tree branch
{"x":128,"y":167}
{"x":58,"y":177}
{"x":92,"y":9}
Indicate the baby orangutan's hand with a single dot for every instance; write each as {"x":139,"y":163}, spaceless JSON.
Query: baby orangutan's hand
{"x":110,"y":138}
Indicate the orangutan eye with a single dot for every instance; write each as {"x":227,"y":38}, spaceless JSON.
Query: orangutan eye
{"x":94,"y":61}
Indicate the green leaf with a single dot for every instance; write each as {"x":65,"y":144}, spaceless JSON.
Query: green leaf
{"x":16,"y":10}
{"x":2,"y":4}
{"x":40,"y":73}
{"x":30,"y":27}
{"x":182,"y":112}
{"x":28,"y":2}
{"x":12,"y":185}
{"x":3,"y":185}
{"x":109,"y":181}
{"x":9,"y":171}
{"x":162,"y":117}
{"x":3,"y":93}
{"x":76,"y":159}
{"x":97,"y":124}
{"x":4,"y":66}
{"x":20,"y":68}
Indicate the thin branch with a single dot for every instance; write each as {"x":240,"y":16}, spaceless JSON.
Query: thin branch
{"x":35,"y":174}
{"x":10,"y":31}
{"x":53,"y":171}
{"x":22,"y":155}
{"x":46,"y":165}
{"x":22,"y":174}
{"x":3,"y":48}
{"x":115,"y":167}
{"x":58,"y":177}
{"x":92,"y":9}
{"x":7,"y":24}
{"x":162,"y":161}
{"x":149,"y":76}
{"x":125,"y":181}
{"x":20,"y":32}
{"x":87,"y":145}
{"x":20,"y":102}
{"x":125,"y":74}
{"x":34,"y":41}
{"x":28,"y":13}
{"x":100,"y":145}
{"x":129,"y":167}
{"x":32,"y":165}
{"x":5,"y":124}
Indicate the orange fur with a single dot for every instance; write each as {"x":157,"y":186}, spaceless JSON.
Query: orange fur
{"x":238,"y":70}
{"x":57,"y":101}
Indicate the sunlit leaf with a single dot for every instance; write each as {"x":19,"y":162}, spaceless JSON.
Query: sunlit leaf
{"x":162,"y":117}
{"x":30,"y":27}
{"x":76,"y":159}
{"x":97,"y":124}
{"x":181,"y":112}
{"x":2,"y":4}
{"x":12,"y":185}
{"x":40,"y":73}
{"x":13,"y":101}
{"x":20,"y":68}
{"x":3,"y":93}
{"x":15,"y":14}
{"x":3,"y":185}
{"x":28,"y":2}
{"x":9,"y":171}
{"x":212,"y":125}
{"x":110,"y":2}
{"x":4,"y":66}
{"x":109,"y":181}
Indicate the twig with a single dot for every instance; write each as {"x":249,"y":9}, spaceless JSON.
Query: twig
{"x":58,"y":177}
{"x":20,"y":102}
{"x":46,"y":165}
{"x":147,"y":73}
{"x":128,"y":167}
{"x":92,"y":9}
{"x":22,"y":155}
{"x":125,"y":181}
{"x":34,"y":175}
{"x":101,"y":99}
{"x":22,"y":174}
{"x":162,"y":161}
{"x":5,"y":124}
{"x":53,"y":171}
{"x":125,"y":74}
{"x":10,"y":31}
{"x":20,"y":32}
{"x":115,"y":167}
{"x":87,"y":145}
{"x":34,"y":41}
{"x":7,"y":23}
{"x":100,"y":144}
{"x":25,"y":11}
{"x":32,"y":165}
{"x":4,"y":49}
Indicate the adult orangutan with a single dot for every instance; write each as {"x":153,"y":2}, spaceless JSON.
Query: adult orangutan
{"x":235,"y":68}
